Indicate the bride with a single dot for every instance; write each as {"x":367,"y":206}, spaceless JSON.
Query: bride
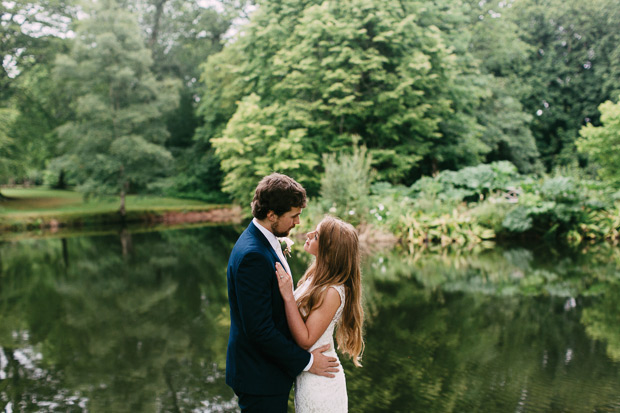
{"x":328,"y":295}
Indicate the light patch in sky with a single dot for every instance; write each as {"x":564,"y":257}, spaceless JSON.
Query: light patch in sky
{"x":211,"y":3}
{"x":236,"y":23}
{"x":10,"y":66}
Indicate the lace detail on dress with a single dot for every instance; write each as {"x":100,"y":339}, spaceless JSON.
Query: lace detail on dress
{"x":318,"y":394}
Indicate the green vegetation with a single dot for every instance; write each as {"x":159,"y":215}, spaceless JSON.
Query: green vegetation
{"x":54,"y":200}
{"x":170,"y":98}
{"x":118,"y":133}
{"x":426,"y":86}
{"x":602,"y":143}
{"x":39,"y":208}
{"x":484,"y":202}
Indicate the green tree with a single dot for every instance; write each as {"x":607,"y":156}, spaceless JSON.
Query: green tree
{"x":115,"y":144}
{"x":331,"y":71}
{"x":573,"y":67}
{"x":32,"y":33}
{"x":501,"y":54}
{"x":26,"y":30}
{"x":42,"y":107}
{"x":181,"y":35}
{"x":256,"y":142}
{"x":602,"y":143}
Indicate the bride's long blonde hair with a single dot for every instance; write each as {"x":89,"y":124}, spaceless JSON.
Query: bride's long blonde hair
{"x":337,"y":263}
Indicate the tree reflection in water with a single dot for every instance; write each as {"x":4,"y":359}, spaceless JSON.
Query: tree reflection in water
{"x":491,"y":331}
{"x":135,"y":325}
{"x":139,"y":322}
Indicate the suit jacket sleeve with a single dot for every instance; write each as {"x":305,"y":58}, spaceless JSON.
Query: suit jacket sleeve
{"x":254,"y":293}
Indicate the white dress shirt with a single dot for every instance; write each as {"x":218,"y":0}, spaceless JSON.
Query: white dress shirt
{"x":275,"y":244}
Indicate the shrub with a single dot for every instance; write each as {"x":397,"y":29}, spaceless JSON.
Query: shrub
{"x":345,"y":186}
{"x":473,"y":183}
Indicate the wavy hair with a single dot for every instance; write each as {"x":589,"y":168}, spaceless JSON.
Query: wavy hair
{"x":337,"y":263}
{"x":278,"y":193}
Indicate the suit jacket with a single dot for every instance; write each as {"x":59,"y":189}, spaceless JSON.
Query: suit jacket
{"x":262,"y":358}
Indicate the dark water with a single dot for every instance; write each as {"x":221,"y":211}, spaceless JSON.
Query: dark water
{"x":138,"y":322}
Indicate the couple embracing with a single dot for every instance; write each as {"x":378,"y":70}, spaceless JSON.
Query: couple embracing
{"x":279,"y":335}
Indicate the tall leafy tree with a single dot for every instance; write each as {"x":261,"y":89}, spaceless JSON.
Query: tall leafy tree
{"x":26,"y":30}
{"x":572,"y":69}
{"x":312,"y":75}
{"x":116,"y":142}
{"x":501,"y":55}
{"x":32,"y":33}
{"x":181,"y":34}
{"x":42,"y":107}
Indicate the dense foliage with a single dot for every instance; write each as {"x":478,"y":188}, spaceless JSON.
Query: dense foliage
{"x":116,"y":139}
{"x":477,"y":203}
{"x":426,"y":86}
{"x":602,"y":143}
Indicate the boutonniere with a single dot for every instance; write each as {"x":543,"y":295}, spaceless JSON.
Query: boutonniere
{"x":286,"y":244}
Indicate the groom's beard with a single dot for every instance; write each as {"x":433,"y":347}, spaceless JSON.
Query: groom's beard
{"x":277,"y":233}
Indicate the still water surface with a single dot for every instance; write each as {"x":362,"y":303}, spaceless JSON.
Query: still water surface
{"x":138,"y":322}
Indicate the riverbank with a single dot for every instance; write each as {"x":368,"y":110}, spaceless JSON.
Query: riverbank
{"x":28,"y":209}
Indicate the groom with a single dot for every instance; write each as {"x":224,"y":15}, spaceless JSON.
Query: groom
{"x":262,"y":359}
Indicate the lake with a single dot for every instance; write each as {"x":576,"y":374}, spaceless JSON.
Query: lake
{"x":138,"y":321}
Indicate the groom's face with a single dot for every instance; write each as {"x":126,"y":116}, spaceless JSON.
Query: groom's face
{"x":283,"y":224}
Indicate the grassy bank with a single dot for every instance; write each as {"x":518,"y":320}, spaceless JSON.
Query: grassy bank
{"x":31,"y":208}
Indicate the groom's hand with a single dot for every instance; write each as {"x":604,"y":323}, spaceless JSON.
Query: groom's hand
{"x":322,"y":364}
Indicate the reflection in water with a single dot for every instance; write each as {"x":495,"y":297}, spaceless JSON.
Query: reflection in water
{"x":136,"y":325}
{"x":491,"y":331}
{"x":139,"y":322}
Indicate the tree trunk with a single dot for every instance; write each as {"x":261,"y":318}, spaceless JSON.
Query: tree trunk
{"x":122,"y":209}
{"x":124,"y":186}
{"x":61,"y":184}
{"x":65,"y":253}
{"x":125,"y":241}
{"x":159,"y":9}
{"x":172,"y":391}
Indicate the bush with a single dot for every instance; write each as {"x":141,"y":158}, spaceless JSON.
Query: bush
{"x":473,"y":183}
{"x":345,"y":186}
{"x":470,"y":205}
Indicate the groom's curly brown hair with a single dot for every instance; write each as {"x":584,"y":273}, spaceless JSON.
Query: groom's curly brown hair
{"x":278,"y":193}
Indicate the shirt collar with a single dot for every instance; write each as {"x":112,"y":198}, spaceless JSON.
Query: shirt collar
{"x":273,"y":240}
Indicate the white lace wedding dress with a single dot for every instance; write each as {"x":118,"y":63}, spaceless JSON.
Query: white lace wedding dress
{"x":318,"y":394}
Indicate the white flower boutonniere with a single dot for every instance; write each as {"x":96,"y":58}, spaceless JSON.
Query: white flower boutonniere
{"x":286,"y":244}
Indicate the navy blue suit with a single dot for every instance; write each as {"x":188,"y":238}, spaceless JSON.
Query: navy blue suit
{"x":262,"y":358}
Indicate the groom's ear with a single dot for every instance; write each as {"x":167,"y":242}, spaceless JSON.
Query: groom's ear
{"x":271,"y":216}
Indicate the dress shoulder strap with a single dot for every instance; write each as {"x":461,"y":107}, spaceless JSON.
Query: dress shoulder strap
{"x":340,"y":289}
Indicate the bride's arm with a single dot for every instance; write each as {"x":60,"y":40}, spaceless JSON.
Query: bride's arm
{"x":306,"y":334}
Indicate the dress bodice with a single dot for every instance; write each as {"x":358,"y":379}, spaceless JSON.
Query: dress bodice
{"x":319,"y":394}
{"x":328,"y":335}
